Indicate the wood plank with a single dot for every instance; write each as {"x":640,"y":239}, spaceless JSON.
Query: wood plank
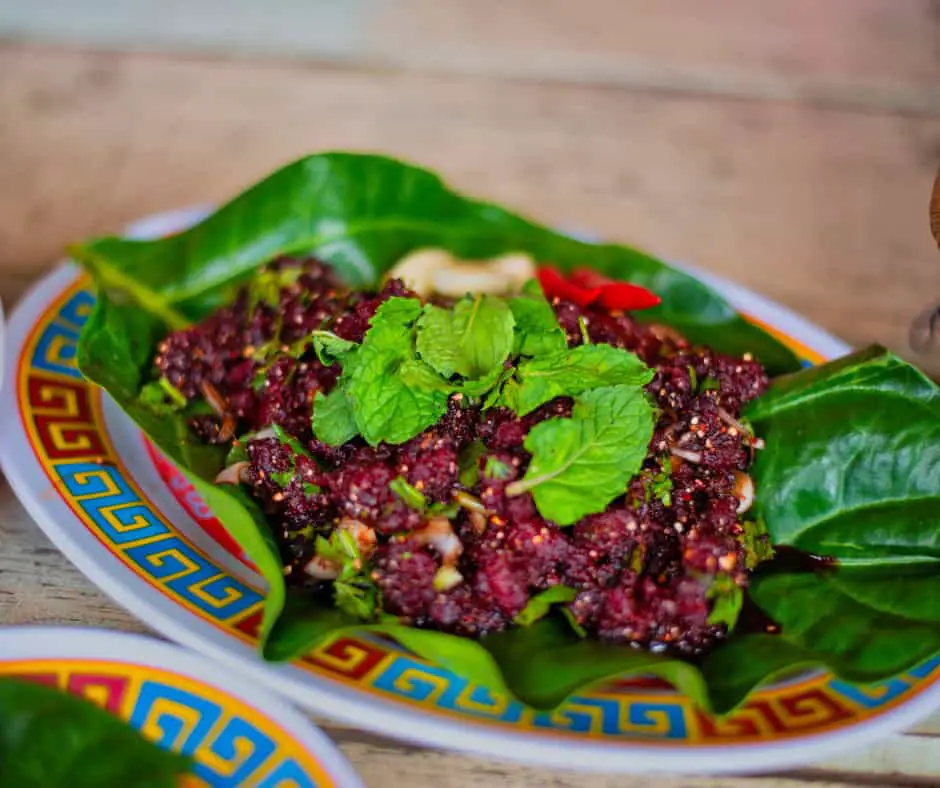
{"x":40,"y":586}
{"x":821,"y":209}
{"x":856,"y":52}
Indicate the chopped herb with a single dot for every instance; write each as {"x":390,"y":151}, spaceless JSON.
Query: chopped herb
{"x":282,"y":478}
{"x":496,"y":469}
{"x":582,"y":325}
{"x":727,"y":599}
{"x":290,"y":441}
{"x":448,"y":510}
{"x":710,"y":383}
{"x":311,"y":489}
{"x":539,"y":605}
{"x":355,"y":591}
{"x":409,"y":494}
{"x":162,"y":397}
{"x":469,"y":464}
{"x":693,"y":378}
{"x":658,"y":486}
{"x":756,"y":543}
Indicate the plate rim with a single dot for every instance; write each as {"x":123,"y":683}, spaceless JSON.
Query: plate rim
{"x":389,"y":719}
{"x":29,"y":642}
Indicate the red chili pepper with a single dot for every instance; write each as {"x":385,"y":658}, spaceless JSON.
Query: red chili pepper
{"x":556,"y":286}
{"x":585,"y":287}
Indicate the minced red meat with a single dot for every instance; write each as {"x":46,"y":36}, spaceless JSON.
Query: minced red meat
{"x":641,"y":568}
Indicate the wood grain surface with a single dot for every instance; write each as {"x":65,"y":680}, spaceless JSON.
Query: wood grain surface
{"x":789,"y":147}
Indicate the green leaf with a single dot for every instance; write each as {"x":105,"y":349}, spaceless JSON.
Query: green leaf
{"x":579,"y":465}
{"x":334,"y":422}
{"x":362,"y":214}
{"x":410,"y":495}
{"x":329,"y":347}
{"x":855,"y":460}
{"x":571,"y":372}
{"x":537,"y":332}
{"x":469,"y":340}
{"x":51,"y":739}
{"x":539,"y":605}
{"x":394,"y":396}
{"x":727,"y":599}
{"x":469,"y":464}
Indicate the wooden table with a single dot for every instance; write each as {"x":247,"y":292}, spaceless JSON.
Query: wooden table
{"x":791,"y":150}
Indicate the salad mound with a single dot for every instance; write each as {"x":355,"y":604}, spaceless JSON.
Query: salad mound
{"x":445,"y":528}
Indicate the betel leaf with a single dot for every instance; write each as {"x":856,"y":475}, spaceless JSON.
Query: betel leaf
{"x":579,"y":465}
{"x":854,"y":465}
{"x":471,"y":339}
{"x":115,"y":351}
{"x":51,"y":739}
{"x":362,"y":214}
{"x":394,"y":396}
{"x":536,"y":328}
{"x":571,"y":372}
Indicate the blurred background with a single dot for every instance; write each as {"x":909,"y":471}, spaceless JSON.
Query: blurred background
{"x":790,"y":146}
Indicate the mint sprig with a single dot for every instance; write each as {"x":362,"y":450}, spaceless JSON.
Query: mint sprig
{"x":579,"y":465}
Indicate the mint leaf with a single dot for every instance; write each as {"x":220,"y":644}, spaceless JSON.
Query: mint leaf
{"x":394,"y":396}
{"x":579,"y":465}
{"x":537,"y":332}
{"x":334,"y":422}
{"x":470,"y":340}
{"x":329,"y":347}
{"x":539,"y":605}
{"x":410,"y":495}
{"x":571,"y":372}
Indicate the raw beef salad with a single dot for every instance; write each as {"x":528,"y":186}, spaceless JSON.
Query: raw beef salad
{"x":535,"y":461}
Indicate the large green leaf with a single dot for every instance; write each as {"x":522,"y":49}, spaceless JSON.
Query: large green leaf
{"x":50,"y":739}
{"x":364,"y":213}
{"x":853,"y":464}
{"x":852,"y":446}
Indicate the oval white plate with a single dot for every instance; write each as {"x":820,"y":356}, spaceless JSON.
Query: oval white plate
{"x":83,"y":472}
{"x":237,"y":735}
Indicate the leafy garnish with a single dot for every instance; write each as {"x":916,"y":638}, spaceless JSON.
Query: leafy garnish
{"x":539,"y":605}
{"x":334,"y":422}
{"x":582,"y":327}
{"x":727,"y":598}
{"x":290,"y":441}
{"x":52,"y":739}
{"x":579,"y":465}
{"x":470,"y":340}
{"x":162,"y":396}
{"x":495,"y":469}
{"x":355,"y":591}
{"x":410,"y":495}
{"x":571,"y":372}
{"x":756,"y":541}
{"x":536,"y":328}
{"x":658,"y":486}
{"x":469,"y":464}
{"x":394,"y":395}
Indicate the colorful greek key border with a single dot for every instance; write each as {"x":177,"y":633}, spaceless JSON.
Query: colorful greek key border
{"x":230,"y":742}
{"x":61,"y":414}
